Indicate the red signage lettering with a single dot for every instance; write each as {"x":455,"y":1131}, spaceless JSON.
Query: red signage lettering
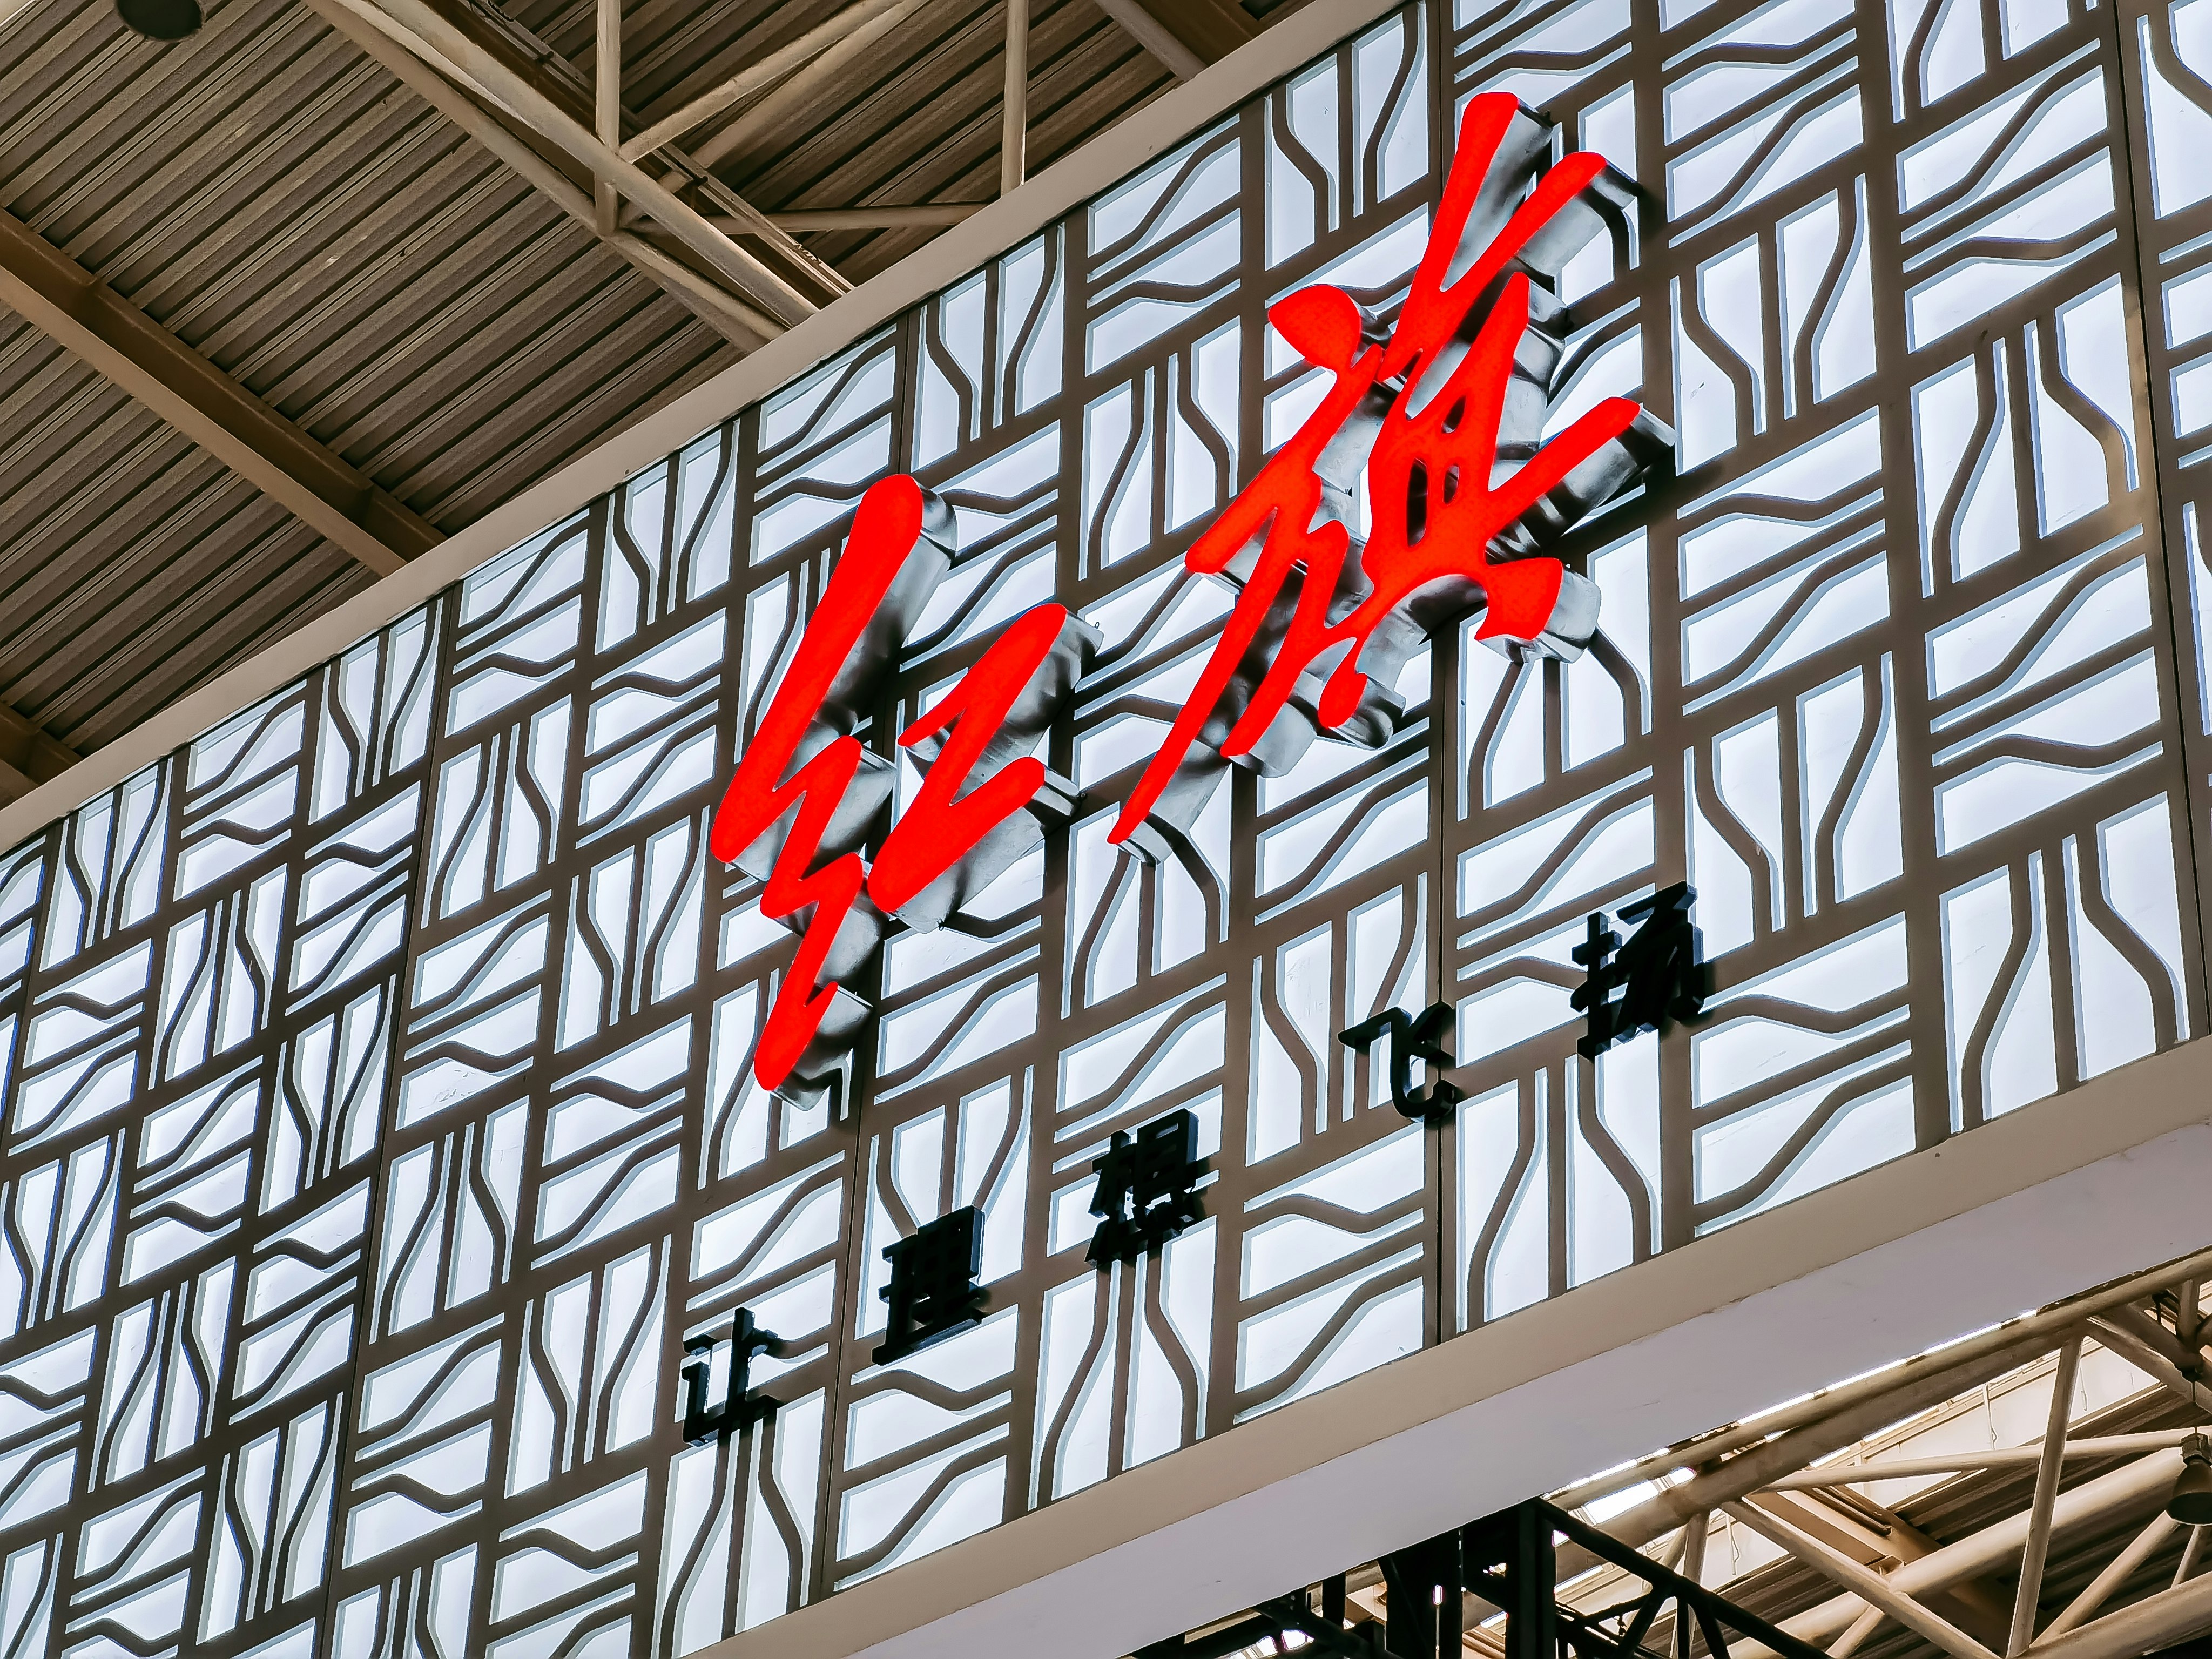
{"x":1444,"y":418}
{"x":807,"y":794}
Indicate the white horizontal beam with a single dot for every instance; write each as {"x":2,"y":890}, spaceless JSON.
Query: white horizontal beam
{"x":2072,"y":1192}
{"x":2002,"y":1457}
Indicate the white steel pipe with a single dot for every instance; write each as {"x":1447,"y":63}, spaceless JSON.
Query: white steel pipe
{"x":2111,"y":1496}
{"x":2050,"y":1323}
{"x":2005,"y":1457}
{"x":2029,"y":1596}
{"x":1870,"y":1585}
{"x":2122,"y":1567}
{"x":1914,"y":1389}
{"x":2141,"y":1627}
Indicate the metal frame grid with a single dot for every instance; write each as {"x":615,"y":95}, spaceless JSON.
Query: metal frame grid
{"x":378,"y":1125}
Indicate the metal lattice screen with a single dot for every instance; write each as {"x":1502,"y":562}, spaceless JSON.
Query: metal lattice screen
{"x":378,"y":1119}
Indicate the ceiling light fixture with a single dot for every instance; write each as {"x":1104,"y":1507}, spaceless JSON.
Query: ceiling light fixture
{"x":161,"y":20}
{"x":2191,"y":1502}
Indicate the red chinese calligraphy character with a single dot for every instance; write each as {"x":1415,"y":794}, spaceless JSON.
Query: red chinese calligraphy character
{"x":1424,"y":410}
{"x":992,"y":715}
{"x":943,"y":825}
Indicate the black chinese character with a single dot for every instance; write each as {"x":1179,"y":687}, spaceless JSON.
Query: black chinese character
{"x":740,"y":1408}
{"x":1147,"y":1189}
{"x":933,"y":1293}
{"x":1415,"y":1036}
{"x":1660,"y":973}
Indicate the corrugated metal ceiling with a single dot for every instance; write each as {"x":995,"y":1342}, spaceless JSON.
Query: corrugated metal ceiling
{"x":278,"y":201}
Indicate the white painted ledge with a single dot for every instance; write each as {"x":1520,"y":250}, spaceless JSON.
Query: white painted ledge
{"x":1069,"y":182}
{"x":2069,"y":1193}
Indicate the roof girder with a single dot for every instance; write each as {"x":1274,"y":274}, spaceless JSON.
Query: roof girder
{"x":738,"y":320}
{"x":70,"y":304}
{"x":29,"y":756}
{"x":547,"y":93}
{"x":1186,"y":35}
{"x":2126,"y":1318}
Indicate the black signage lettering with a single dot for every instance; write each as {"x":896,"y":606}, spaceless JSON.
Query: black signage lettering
{"x":740,"y":1408}
{"x":1147,"y":1189}
{"x":933,"y":1293}
{"x":1413,"y":1037}
{"x":1660,"y":974}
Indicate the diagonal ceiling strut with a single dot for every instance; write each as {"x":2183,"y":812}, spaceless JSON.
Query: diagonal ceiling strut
{"x":551,"y":98}
{"x":1186,"y":35}
{"x":62,"y":299}
{"x":29,"y":756}
{"x":741,"y":323}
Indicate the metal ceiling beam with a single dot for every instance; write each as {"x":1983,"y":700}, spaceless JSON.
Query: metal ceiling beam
{"x":565,"y":86}
{"x":1944,"y":1570}
{"x":2147,"y":1329}
{"x":1863,"y":1626}
{"x":1014,"y":113}
{"x":1888,"y":1567}
{"x":1915,"y":1389}
{"x":741,"y":324}
{"x":1863,"y":1582}
{"x":1186,"y":35}
{"x":2141,"y":1626}
{"x":2053,"y":1324}
{"x":756,"y":76}
{"x":2120,"y":1495}
{"x":1999,"y":1457}
{"x":2120,"y":1337}
{"x":62,"y":299}
{"x":28,"y":756}
{"x":781,"y":106}
{"x":2029,"y":1594}
{"x":2185,"y":1568}
{"x":1871,"y":1535}
{"x":543,"y":108}
{"x":606,"y":106}
{"x":2116,"y":1572}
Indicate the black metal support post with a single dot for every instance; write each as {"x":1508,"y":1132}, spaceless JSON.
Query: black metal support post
{"x":1509,"y":1560}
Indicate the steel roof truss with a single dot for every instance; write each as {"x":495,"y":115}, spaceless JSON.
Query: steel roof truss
{"x":566,"y":86}
{"x":737,"y":320}
{"x":533,"y":101}
{"x":1186,"y":35}
{"x":55,"y":295}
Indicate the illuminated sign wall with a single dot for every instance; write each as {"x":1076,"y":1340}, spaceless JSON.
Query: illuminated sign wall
{"x":383,"y":1121}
